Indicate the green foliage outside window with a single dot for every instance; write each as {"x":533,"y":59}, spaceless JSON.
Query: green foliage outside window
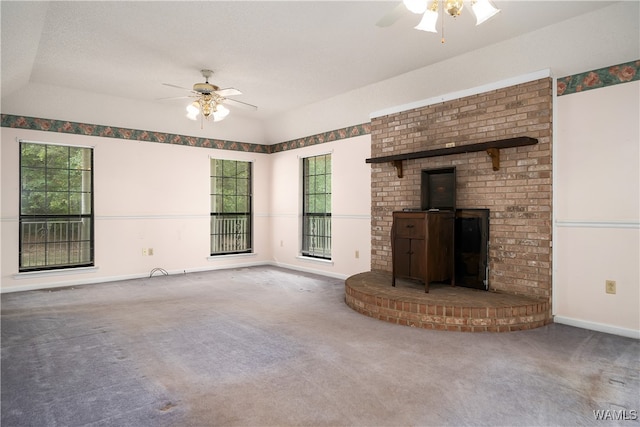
{"x":56,"y":221}
{"x":230,"y":206}
{"x":316,"y":222}
{"x":55,"y":180}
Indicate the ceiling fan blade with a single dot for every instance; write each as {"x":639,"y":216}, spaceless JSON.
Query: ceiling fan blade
{"x":240,"y":104}
{"x":228,"y":92}
{"x":176,"y":86}
{"x":392,"y":16}
{"x":173,"y":97}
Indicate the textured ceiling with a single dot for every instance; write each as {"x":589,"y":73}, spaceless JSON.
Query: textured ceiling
{"x":281,"y":55}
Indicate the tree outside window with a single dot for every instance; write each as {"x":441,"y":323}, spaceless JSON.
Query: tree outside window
{"x":231,"y":214}
{"x":316,"y":210}
{"x":56,"y":207}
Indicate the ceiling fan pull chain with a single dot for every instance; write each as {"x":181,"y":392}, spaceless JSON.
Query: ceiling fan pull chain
{"x":442,"y":22}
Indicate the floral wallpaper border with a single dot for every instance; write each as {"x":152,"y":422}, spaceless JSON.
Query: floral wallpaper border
{"x":603,"y":77}
{"x":333,"y":135}
{"x":595,"y":79}
{"x":62,"y":126}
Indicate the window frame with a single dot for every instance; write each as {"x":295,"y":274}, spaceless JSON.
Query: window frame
{"x":230,"y":214}
{"x":323,"y":219}
{"x":51,"y":219}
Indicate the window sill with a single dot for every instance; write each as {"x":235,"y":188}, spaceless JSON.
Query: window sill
{"x":218,"y":257}
{"x":315,"y":260}
{"x":49,"y":273}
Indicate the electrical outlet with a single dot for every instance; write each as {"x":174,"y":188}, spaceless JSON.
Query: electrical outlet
{"x":145,"y":252}
{"x":450,"y":144}
{"x":150,"y":251}
{"x":610,"y":286}
{"x":357,"y":254}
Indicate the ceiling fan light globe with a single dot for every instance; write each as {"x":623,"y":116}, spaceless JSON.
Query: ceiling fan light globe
{"x":193,"y":110}
{"x":428,"y":22}
{"x":415,"y":6}
{"x":220,"y":113}
{"x":484,"y":10}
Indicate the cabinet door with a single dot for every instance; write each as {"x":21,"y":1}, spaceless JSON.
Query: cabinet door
{"x":418,"y":260}
{"x":408,"y":258}
{"x":402,"y":257}
{"x":440,"y":247}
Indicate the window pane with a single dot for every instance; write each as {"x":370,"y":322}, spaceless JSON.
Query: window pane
{"x":243,"y":204}
{"x":80,"y":204}
{"x":319,"y":184}
{"x":86,"y":208}
{"x":229,"y":168}
{"x":243,"y":170}
{"x":58,"y":179}
{"x":33,"y":203}
{"x":243,"y":187}
{"x":33,"y":155}
{"x":57,"y":157}
{"x":34,"y":179}
{"x":321,"y":203}
{"x":82,"y":252}
{"x":79,"y":158}
{"x":57,"y":241}
{"x":58,"y":203}
{"x":75,"y":179}
{"x":215,"y":164}
{"x":229,"y":204}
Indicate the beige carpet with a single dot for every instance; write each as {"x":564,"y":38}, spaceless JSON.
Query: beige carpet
{"x":266,"y":346}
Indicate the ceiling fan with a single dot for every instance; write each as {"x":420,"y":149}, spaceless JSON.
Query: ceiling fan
{"x":482,"y":9}
{"x":209,"y":99}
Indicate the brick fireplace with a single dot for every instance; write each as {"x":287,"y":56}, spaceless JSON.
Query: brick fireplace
{"x":518,"y":194}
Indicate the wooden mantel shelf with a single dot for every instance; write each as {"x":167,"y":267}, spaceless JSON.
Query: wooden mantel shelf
{"x":491,"y":147}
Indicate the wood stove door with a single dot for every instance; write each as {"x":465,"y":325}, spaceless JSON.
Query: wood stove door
{"x":472,"y":248}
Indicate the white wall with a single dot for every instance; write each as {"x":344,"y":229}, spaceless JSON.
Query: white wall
{"x":147,"y":195}
{"x":152,"y":195}
{"x":597,"y":209}
{"x":605,"y":37}
{"x":351,"y":207}
{"x":61,"y":103}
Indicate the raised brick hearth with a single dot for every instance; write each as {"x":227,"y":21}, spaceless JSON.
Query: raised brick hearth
{"x":444,"y":307}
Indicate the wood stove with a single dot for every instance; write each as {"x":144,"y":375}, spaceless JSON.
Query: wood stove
{"x":471,"y":251}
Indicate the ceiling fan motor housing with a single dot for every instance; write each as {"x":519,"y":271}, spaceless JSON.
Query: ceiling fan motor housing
{"x":205,"y":88}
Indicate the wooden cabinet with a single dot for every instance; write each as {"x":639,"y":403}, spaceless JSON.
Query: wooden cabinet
{"x":422,"y":246}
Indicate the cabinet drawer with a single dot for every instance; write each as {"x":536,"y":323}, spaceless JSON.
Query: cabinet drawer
{"x":410,"y":227}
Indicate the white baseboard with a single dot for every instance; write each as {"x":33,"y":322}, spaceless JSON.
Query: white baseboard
{"x":600,"y":327}
{"x":308,"y":270}
{"x":93,"y":281}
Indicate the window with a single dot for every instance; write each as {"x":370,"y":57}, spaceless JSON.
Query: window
{"x":56,"y":207}
{"x":230,"y":207}
{"x":316,"y":209}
